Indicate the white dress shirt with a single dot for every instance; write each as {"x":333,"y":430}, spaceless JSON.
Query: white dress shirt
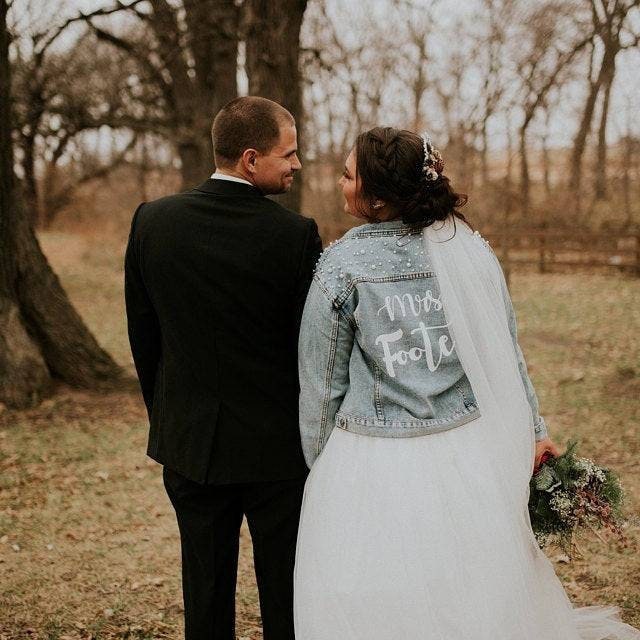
{"x":223,"y":176}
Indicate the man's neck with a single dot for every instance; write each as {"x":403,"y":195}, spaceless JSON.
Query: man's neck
{"x":233,"y":173}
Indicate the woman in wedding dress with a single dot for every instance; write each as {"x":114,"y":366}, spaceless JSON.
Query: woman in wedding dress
{"x":421,"y":427}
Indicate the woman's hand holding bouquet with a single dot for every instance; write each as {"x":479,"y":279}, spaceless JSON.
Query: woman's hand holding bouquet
{"x":569,"y":494}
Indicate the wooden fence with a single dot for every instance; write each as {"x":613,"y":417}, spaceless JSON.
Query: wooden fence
{"x":552,"y":250}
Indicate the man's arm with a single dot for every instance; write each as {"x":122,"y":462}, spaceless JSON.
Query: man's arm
{"x":142,"y":321}
{"x":310,"y":254}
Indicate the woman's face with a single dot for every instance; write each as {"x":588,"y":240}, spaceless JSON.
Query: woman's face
{"x":351,"y":187}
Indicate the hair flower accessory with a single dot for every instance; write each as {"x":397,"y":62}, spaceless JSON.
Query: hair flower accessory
{"x":433,"y":164}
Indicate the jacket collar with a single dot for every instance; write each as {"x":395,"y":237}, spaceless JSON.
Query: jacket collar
{"x":228,"y":188}
{"x":391,"y":227}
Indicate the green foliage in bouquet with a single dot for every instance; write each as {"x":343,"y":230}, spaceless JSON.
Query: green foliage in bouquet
{"x":569,"y":493}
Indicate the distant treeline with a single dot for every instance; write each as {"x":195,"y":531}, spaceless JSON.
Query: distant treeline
{"x":138,"y":82}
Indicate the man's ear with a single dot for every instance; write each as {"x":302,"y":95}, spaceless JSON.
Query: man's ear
{"x":249,"y":157}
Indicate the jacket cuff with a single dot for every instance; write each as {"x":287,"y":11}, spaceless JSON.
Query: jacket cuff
{"x":540,"y":429}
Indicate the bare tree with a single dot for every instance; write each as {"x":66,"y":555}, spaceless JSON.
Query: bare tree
{"x":461,"y":116}
{"x":58,"y":95}
{"x":413,"y":60}
{"x":609,"y":21}
{"x":546,"y":48}
{"x":41,"y":335}
{"x":188,"y":53}
{"x":489,"y":53}
{"x":59,"y":186}
{"x":346,"y":80}
{"x":23,"y":372}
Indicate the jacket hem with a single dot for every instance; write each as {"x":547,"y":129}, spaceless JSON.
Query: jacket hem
{"x":401,"y":429}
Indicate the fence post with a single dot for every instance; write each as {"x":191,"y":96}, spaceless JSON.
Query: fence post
{"x":541,"y":264}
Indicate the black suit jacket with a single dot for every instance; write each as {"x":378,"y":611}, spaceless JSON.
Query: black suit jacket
{"x":215,"y":283}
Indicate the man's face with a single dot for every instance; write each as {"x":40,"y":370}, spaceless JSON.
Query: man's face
{"x":274,"y":169}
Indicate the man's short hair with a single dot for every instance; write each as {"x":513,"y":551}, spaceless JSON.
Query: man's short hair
{"x":249,"y":122}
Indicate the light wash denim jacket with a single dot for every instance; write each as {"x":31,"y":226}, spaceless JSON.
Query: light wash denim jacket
{"x":375,"y":354}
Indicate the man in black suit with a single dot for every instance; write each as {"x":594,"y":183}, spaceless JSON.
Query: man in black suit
{"x":215,"y":284}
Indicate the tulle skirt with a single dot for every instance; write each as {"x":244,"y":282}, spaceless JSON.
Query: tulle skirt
{"x":418,"y":538}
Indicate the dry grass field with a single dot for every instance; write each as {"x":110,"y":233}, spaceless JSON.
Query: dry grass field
{"x":89,"y":546}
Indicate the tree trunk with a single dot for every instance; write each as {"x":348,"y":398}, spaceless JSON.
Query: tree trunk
{"x":580,"y":141}
{"x":71,"y":352}
{"x":196,"y":162}
{"x":23,"y":373}
{"x":484,"y":153}
{"x":143,"y":167}
{"x":213,"y":41}
{"x":546,"y":155}
{"x":546,"y":167}
{"x":273,"y":47}
{"x":213,"y":28}
{"x":197,"y":93}
{"x":508,"y":175}
{"x":525,"y":183}
{"x":601,"y":166}
{"x":41,"y":335}
{"x":30,"y":186}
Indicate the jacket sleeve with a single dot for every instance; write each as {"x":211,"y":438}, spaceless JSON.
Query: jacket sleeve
{"x":142,"y":321}
{"x":310,"y":254}
{"x":326,"y":341}
{"x":538,"y":421}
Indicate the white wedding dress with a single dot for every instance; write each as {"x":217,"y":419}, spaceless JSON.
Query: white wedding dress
{"x":429,"y":538}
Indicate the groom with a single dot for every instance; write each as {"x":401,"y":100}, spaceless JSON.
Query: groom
{"x":215,"y":283}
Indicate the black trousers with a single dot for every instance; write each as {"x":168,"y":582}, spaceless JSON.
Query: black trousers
{"x":209,"y":519}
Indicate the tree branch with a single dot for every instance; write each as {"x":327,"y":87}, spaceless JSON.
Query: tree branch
{"x":49,"y":38}
{"x":58,"y":200}
{"x":131,"y":49}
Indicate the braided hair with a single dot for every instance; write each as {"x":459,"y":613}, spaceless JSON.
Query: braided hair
{"x":390,"y":165}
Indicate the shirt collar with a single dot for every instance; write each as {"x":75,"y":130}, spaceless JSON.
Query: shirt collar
{"x":223,"y":176}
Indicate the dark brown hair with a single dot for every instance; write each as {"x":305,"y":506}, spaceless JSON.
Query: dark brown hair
{"x":249,"y":122}
{"x":389,"y":163}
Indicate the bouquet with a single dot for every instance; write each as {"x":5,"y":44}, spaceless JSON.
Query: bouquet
{"x":569,"y":494}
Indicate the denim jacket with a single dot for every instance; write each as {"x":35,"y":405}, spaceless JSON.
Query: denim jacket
{"x":375,"y":353}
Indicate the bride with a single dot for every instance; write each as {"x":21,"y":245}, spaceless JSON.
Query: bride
{"x":421,"y":427}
